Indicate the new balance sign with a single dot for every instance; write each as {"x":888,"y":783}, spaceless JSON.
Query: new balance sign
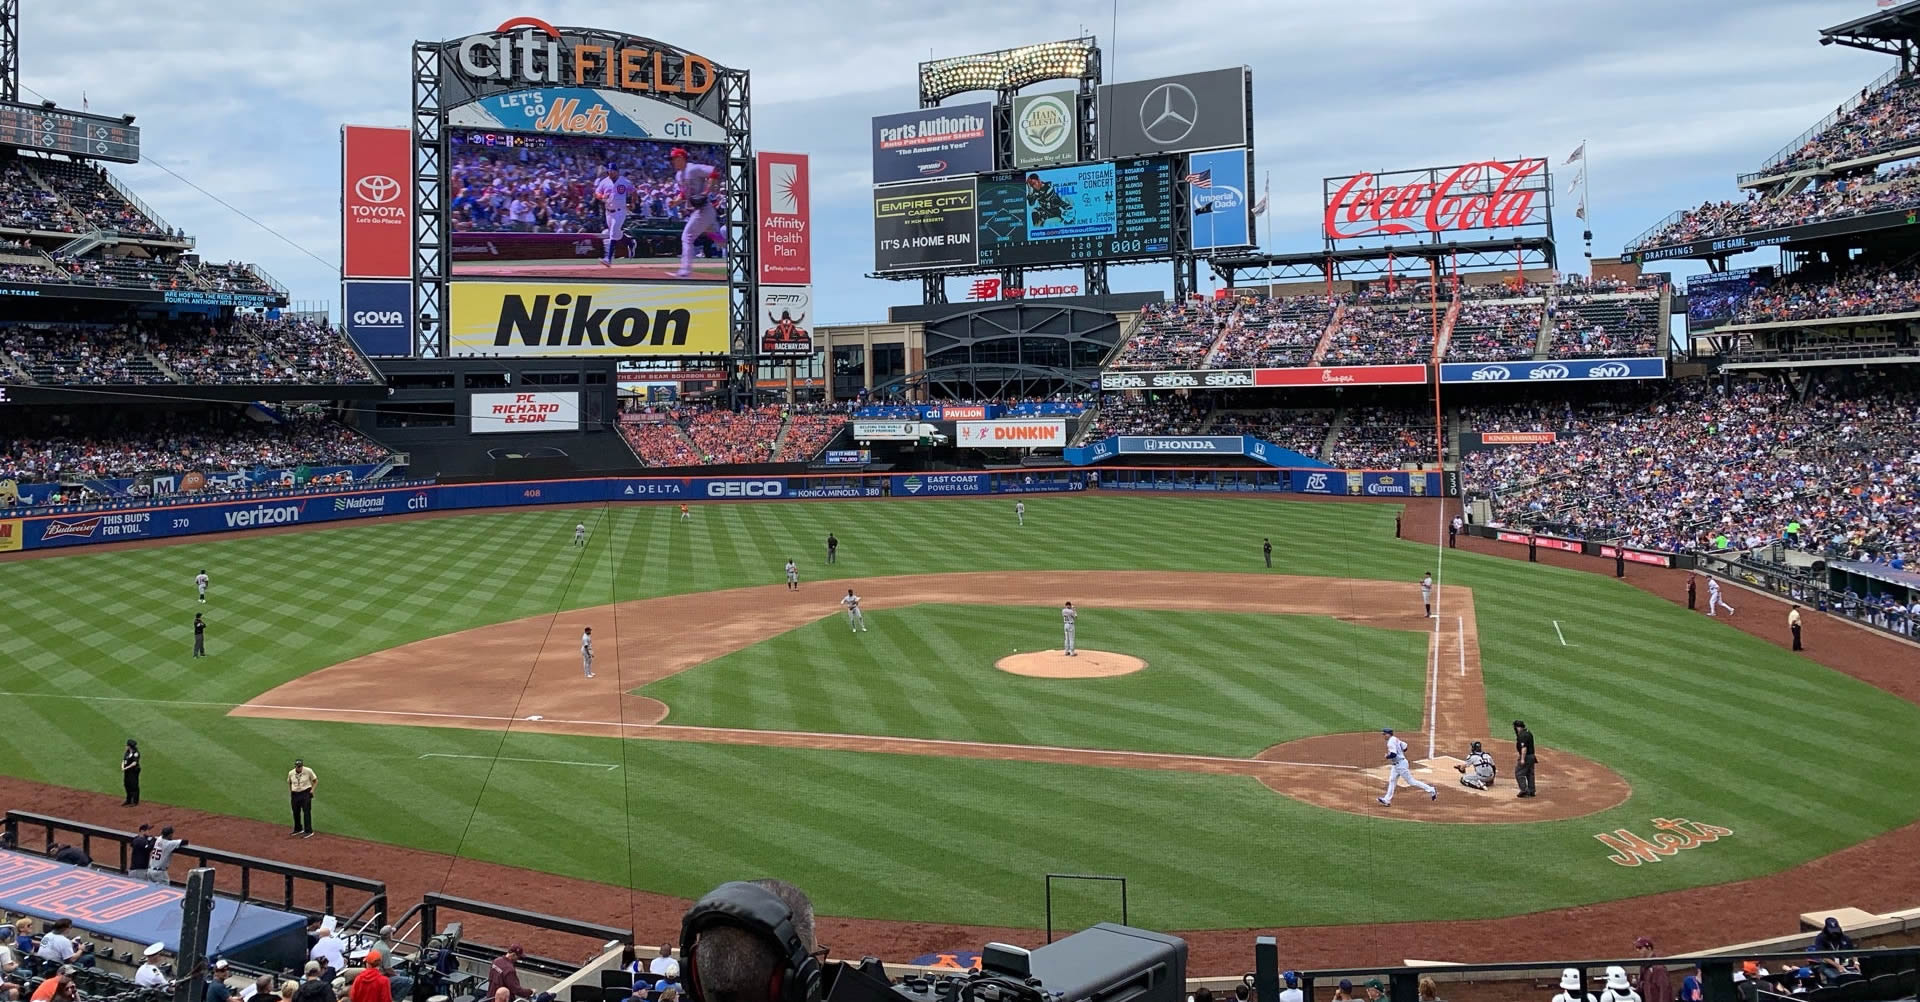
{"x":1011,"y":434}
{"x":1554,"y":372}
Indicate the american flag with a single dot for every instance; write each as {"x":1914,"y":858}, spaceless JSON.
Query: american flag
{"x":1204,"y":179}
{"x":1886,"y":3}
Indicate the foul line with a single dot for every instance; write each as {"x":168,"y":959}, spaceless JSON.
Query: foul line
{"x":1433,"y":694}
{"x":537,"y":761}
{"x":709,"y":735}
{"x":1562,"y":636}
{"x":1460,"y":624}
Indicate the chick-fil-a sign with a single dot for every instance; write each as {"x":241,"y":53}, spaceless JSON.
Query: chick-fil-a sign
{"x":1488,"y":195}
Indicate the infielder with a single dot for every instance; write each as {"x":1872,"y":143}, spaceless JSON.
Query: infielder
{"x":793,"y":576}
{"x":612,"y":191}
{"x":200,"y":585}
{"x":586,"y":651}
{"x":686,"y":514}
{"x":1713,"y":597}
{"x":1067,"y":615}
{"x":1020,"y":514}
{"x":696,"y":193}
{"x":854,"y":619}
{"x":1478,"y":770}
{"x":580,"y":534}
{"x":1426,"y":593}
{"x":1397,"y":754}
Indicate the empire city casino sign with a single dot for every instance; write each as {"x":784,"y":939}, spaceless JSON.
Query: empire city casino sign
{"x":529,"y":50}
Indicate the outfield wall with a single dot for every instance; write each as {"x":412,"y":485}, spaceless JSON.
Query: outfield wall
{"x":42,"y":532}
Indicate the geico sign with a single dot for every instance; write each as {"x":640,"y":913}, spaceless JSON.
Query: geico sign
{"x":529,"y":50}
{"x":746,"y":489}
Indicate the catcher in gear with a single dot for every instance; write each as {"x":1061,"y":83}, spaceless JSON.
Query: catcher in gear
{"x":1478,"y":770}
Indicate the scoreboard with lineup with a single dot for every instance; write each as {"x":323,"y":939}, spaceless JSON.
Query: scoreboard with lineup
{"x":1084,"y":212}
{"x":33,"y":127}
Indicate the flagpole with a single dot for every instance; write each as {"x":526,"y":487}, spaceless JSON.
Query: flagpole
{"x":1586,"y":191}
{"x":1267,"y":209}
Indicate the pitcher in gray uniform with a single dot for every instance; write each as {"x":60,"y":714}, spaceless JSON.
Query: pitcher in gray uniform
{"x":1067,"y":616}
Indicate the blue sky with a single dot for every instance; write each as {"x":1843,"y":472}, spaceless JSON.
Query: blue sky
{"x":1673,"y":98}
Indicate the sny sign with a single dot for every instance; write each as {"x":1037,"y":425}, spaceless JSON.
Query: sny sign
{"x":1487,"y":195}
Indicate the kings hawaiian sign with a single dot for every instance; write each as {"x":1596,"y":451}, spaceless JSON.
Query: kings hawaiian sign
{"x":1487,"y":195}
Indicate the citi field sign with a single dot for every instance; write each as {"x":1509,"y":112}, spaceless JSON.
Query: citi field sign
{"x":527,"y":50}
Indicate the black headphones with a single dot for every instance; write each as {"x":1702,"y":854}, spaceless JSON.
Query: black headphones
{"x":754,"y":909}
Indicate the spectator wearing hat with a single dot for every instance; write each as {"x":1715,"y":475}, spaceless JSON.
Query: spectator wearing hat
{"x":372,"y":985}
{"x":1343,"y":992}
{"x":504,"y":973}
{"x":149,"y":975}
{"x":313,"y":985}
{"x":1375,"y":988}
{"x":1656,"y":985}
{"x":217,"y":988}
{"x":1292,"y":992}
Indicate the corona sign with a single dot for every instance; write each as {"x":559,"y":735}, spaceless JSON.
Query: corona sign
{"x":527,"y":50}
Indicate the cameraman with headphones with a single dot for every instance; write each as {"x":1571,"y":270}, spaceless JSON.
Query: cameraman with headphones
{"x":750,"y":941}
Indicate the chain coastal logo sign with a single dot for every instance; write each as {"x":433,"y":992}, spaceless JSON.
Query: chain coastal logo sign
{"x":529,"y":50}
{"x":1486,"y":195}
{"x":377,"y":222}
{"x":1045,"y":130}
{"x":529,"y":319}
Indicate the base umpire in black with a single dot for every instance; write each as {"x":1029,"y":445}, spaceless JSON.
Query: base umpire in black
{"x":199,"y":636}
{"x":1523,"y":750}
{"x":130,"y":773}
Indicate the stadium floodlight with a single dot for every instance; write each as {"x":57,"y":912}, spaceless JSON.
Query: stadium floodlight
{"x":1007,"y":69}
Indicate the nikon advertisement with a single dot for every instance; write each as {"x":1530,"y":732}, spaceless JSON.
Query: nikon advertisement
{"x":530,"y":319}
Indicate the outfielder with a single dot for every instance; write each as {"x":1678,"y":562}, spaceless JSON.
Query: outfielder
{"x":586,"y":651}
{"x":793,"y":576}
{"x":1020,"y":513}
{"x":1478,"y":771}
{"x":854,"y":619}
{"x":1426,"y":593}
{"x":1067,"y":615}
{"x":685,"y":512}
{"x":1713,"y":597}
{"x":696,"y":192}
{"x":613,"y":191}
{"x":1397,"y":754}
{"x":580,"y":534}
{"x":200,"y":585}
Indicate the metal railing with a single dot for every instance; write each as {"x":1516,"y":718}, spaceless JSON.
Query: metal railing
{"x":146,"y":210}
{"x":1868,"y":93}
{"x":285,"y":879}
{"x":1641,"y":242}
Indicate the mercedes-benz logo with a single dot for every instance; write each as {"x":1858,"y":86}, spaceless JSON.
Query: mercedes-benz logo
{"x":1168,"y":113}
{"x":377,"y":188}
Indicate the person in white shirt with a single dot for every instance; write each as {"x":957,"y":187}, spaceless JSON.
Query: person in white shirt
{"x":580,"y":534}
{"x":1426,"y":594}
{"x":1292,"y":992}
{"x":854,"y":619}
{"x":1020,"y":512}
{"x":329,"y":950}
{"x":663,"y":961}
{"x":55,"y":945}
{"x":149,"y":974}
{"x":200,"y":585}
{"x":1397,"y":755}
{"x":696,"y":193}
{"x":1067,"y":616}
{"x":613,"y":191}
{"x":793,"y":575}
{"x":586,"y":651}
{"x":1713,"y":597}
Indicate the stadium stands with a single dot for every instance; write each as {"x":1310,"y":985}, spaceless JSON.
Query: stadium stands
{"x":1835,"y":198}
{"x":1862,"y":292}
{"x":1494,"y":330}
{"x":659,"y":440}
{"x":1121,"y":414}
{"x":1175,"y":335}
{"x":1374,"y":332}
{"x":1274,"y":332}
{"x":807,"y":434}
{"x":1375,"y":438}
{"x":1300,"y":429}
{"x":1618,"y":325}
{"x":206,"y":443}
{"x":254,"y":349}
{"x":1880,"y":121}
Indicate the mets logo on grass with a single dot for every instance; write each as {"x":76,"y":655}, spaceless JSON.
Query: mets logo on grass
{"x":1671,"y":836}
{"x":530,"y":320}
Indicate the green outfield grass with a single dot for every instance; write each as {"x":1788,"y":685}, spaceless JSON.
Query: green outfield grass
{"x":1705,"y":722}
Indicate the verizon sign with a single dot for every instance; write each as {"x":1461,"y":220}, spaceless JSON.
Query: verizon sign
{"x":1013,"y":434}
{"x":1475,"y":197}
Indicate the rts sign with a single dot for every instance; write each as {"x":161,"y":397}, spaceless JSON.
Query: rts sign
{"x":531,"y":51}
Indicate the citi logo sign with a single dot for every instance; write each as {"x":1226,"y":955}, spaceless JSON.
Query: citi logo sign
{"x":678,"y":128}
{"x":746,"y":489}
{"x":1548,"y":372}
{"x":418,"y":502}
{"x":379,"y":318}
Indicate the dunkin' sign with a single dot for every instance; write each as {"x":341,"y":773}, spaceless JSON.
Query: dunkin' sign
{"x":1486,"y":195}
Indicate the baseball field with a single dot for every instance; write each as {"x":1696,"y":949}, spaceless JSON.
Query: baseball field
{"x":429,"y":671}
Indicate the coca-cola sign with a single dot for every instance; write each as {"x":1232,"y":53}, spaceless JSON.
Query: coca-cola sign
{"x":1487,"y":195}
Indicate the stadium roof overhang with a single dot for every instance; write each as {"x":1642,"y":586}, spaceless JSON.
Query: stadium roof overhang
{"x":1892,"y":31}
{"x":964,"y":380}
{"x":1363,"y":262}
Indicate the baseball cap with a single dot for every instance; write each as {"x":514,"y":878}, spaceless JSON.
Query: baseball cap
{"x":677,"y":152}
{"x":1643,"y":943}
{"x":154,"y":949}
{"x":220,"y":965}
{"x":313,"y":967}
{"x":1376,"y":984}
{"x":1386,"y":730}
{"x":516,"y":948}
{"x":373,"y":957}
{"x":1346,"y":985}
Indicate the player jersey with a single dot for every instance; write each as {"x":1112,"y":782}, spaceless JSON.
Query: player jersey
{"x":614,"y":191}
{"x":200,"y":581}
{"x":1480,"y":764}
{"x":586,"y":643}
{"x":851,"y":602}
{"x":1067,"y":616}
{"x":693,"y":179}
{"x":790,"y":568}
{"x":1396,"y":748}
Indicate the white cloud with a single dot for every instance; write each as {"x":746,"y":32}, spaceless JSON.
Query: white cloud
{"x":1673,"y":98}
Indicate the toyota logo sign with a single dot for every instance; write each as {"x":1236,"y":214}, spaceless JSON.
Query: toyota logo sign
{"x":1168,"y":113}
{"x":377,"y":188}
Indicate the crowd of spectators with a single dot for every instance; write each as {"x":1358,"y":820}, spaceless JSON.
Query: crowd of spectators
{"x":1863,"y":292}
{"x":234,"y":276}
{"x":735,"y":436}
{"x":1495,"y":329}
{"x":1701,"y":467}
{"x":659,"y":439}
{"x":1834,"y":198}
{"x":1607,"y":325}
{"x":807,"y":434}
{"x":1140,"y":414}
{"x":1302,"y":430}
{"x":548,"y":188}
{"x":1886,"y":119}
{"x":86,"y":189}
{"x":254,"y":349}
{"x":1373,"y":333}
{"x":80,"y":355}
{"x":1274,"y":332}
{"x":26,"y":204}
{"x":312,"y":351}
{"x":207,"y":444}
{"x":1176,"y":335}
{"x":1383,"y":438}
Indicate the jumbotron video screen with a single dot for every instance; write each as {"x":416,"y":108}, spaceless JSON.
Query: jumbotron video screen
{"x":537,"y":206}
{"x":1083,"y":212}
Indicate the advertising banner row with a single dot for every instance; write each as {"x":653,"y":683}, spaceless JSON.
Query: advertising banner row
{"x":1654,"y":558}
{"x":1347,"y":483}
{"x":1572,"y":370}
{"x":1257,"y":449}
{"x":14,"y":492}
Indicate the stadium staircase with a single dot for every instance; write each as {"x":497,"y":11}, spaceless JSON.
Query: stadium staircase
{"x":1326,"y":336}
{"x":780,"y":440}
{"x":1543,"y":348}
{"x":14,"y":373}
{"x":1446,"y":330}
{"x":1334,"y":428}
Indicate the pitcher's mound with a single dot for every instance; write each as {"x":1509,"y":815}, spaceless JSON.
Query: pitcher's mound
{"x":1083,"y":664}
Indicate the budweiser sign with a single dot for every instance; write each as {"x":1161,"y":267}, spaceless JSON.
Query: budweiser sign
{"x":1488,"y":195}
